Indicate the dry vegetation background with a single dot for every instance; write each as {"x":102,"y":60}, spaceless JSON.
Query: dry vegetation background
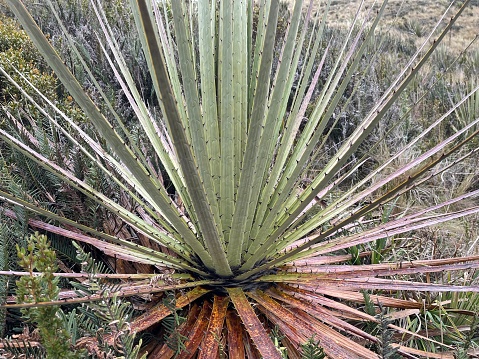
{"x":410,"y":18}
{"x":410,"y":22}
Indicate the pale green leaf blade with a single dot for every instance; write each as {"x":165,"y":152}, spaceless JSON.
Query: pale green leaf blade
{"x":208,"y":227}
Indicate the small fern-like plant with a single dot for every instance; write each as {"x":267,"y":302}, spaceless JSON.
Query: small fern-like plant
{"x":384,"y":345}
{"x":174,"y":339}
{"x":110,"y":314}
{"x":312,"y":350}
{"x":464,"y":347}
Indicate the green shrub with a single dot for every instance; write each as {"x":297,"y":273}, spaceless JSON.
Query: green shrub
{"x":39,"y":260}
{"x":17,"y":53}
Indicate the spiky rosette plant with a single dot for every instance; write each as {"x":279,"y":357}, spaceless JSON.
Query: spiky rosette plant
{"x":214,"y":196}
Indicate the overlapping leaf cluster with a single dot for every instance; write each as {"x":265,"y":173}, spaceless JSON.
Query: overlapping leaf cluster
{"x":216,"y":198}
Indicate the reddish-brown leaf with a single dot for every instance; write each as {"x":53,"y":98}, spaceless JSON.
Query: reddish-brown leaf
{"x":126,"y":290}
{"x":197,"y":333}
{"x":154,"y":315}
{"x":294,"y":331}
{"x":291,"y":349}
{"x":210,"y":344}
{"x":321,"y":313}
{"x":253,"y":325}
{"x":317,"y":260}
{"x":323,"y":261}
{"x":415,"y":352}
{"x":236,"y":345}
{"x":110,"y":249}
{"x":322,"y":281}
{"x":335,"y":345}
{"x":250,"y":349}
{"x":389,"y":269}
{"x":358,"y":297}
{"x":341,"y":310}
{"x":339,"y":345}
{"x":164,"y":351}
